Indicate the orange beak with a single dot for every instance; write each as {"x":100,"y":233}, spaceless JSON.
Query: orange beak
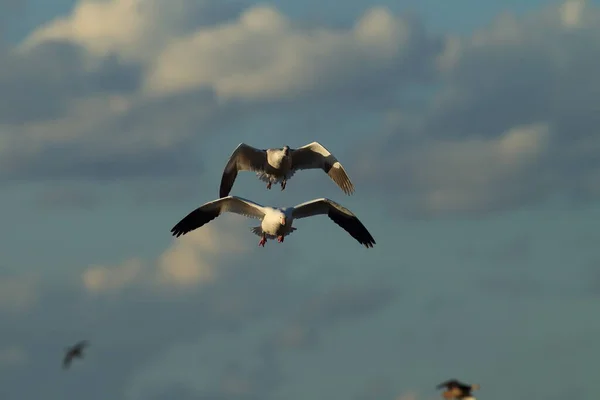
{"x":282,"y":220}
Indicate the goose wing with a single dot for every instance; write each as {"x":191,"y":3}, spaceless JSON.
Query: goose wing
{"x":315,"y":156}
{"x":243,"y":158}
{"x":338,"y":214}
{"x":211,"y":210}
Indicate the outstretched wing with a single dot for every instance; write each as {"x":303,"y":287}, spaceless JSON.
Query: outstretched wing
{"x":211,"y":210}
{"x":243,"y":158}
{"x":315,"y":156}
{"x":338,"y":214}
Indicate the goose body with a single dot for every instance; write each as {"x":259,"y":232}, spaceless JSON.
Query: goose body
{"x":278,"y":165}
{"x":275,"y":222}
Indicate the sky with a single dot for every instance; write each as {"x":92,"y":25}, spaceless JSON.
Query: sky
{"x":469,"y":129}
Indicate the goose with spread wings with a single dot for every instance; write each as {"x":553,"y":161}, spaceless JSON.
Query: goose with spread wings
{"x":75,"y":351}
{"x":457,"y":390}
{"x":279,"y":165}
{"x":275,"y":222}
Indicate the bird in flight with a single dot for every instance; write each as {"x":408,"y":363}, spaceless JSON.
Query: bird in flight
{"x":278,"y":165}
{"x":275,"y":222}
{"x":75,"y":351}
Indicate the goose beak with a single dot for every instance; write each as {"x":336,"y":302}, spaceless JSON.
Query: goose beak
{"x":282,"y":220}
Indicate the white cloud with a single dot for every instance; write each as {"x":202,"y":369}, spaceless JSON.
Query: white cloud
{"x":193,"y":259}
{"x":137,"y":28}
{"x":98,"y":279}
{"x":188,"y":262}
{"x":571,"y":12}
{"x":264,"y":55}
{"x":461,"y":175}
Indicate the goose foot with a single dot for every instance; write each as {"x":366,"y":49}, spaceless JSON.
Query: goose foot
{"x":263,"y":241}
{"x":283,"y":183}
{"x":269,"y":185}
{"x":280,"y":238}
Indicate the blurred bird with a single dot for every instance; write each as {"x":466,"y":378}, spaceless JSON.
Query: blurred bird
{"x":279,"y":165}
{"x":457,"y":390}
{"x":74,"y":352}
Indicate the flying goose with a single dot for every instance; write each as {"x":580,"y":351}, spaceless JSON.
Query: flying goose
{"x":278,"y":165}
{"x":74,"y":352}
{"x":275,"y":222}
{"x":457,"y":390}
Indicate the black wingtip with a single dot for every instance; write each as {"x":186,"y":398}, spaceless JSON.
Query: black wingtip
{"x":175,"y":231}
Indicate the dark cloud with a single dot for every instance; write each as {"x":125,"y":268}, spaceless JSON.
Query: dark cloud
{"x":44,"y":82}
{"x":155,"y":139}
{"x":129,"y":330}
{"x":511,"y":124}
{"x":68,"y":113}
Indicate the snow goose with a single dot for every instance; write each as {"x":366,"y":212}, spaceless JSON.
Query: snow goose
{"x":279,"y":165}
{"x":275,"y":222}
{"x":74,"y":352}
{"x":457,"y":390}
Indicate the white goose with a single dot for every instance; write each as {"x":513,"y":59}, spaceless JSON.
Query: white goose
{"x":279,"y":165}
{"x":275,"y":222}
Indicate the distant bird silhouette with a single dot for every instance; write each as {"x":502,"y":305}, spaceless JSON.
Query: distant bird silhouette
{"x":74,"y":352}
{"x":457,"y":390}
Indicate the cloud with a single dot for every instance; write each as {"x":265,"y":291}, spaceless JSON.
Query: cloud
{"x":263,"y":55}
{"x":193,"y":259}
{"x":18,"y":293}
{"x":253,"y":367}
{"x":190,"y":261}
{"x":100,"y":278}
{"x":139,"y":28}
{"x":510,"y":124}
{"x":82,"y":100}
{"x":144,"y":318}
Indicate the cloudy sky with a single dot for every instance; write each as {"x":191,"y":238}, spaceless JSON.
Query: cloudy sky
{"x":470,"y":130}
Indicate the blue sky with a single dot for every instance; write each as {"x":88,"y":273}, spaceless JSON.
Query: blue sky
{"x":468,"y":128}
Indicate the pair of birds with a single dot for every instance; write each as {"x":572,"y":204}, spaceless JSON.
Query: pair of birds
{"x":278,"y":165}
{"x":457,"y":390}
